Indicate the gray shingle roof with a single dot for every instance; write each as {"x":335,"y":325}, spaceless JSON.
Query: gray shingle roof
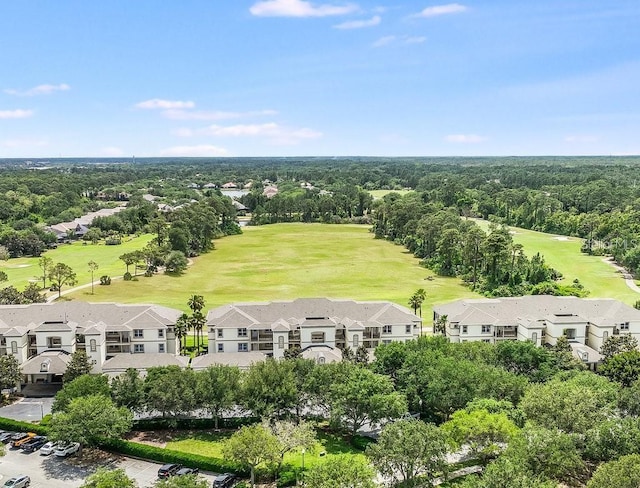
{"x":86,"y":314}
{"x":507,"y":311}
{"x":306,"y":311}
{"x":120,"y":362}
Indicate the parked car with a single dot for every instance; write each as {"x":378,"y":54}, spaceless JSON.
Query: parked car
{"x":186,"y":471}
{"x":18,"y":481}
{"x":6,"y":437}
{"x":64,"y":450}
{"x":20,"y":438}
{"x":225,"y":480}
{"x":48,"y":448}
{"x":167,"y":470}
{"x":34,"y":443}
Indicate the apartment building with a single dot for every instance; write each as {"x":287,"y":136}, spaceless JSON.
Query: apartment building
{"x":271,"y":328}
{"x":43,"y":336}
{"x":542,"y":319}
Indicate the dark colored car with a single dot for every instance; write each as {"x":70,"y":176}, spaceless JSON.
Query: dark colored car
{"x":20,"y":438}
{"x":6,"y":437}
{"x":225,"y":480}
{"x":185,"y":471}
{"x":34,"y":443}
{"x":167,"y":470}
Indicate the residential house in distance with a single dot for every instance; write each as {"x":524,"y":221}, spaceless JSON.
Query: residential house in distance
{"x":43,"y":336}
{"x":321,"y":327}
{"x":542,"y":319}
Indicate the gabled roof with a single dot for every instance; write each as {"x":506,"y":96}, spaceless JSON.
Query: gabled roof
{"x":48,"y":362}
{"x":529,"y":309}
{"x":310,"y":312}
{"x":241,"y":359}
{"x":121,"y":362}
{"x":60,"y":316}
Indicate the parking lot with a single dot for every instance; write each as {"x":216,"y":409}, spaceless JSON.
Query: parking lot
{"x":54,"y":472}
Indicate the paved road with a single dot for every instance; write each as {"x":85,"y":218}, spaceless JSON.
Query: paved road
{"x":27,"y":409}
{"x":54,"y":472}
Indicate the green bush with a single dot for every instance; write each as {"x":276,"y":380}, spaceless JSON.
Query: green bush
{"x":17,"y":426}
{"x":169,"y":456}
{"x":288,"y":477}
{"x":105,"y":280}
{"x":127,"y":276}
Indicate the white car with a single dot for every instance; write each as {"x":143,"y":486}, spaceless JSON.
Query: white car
{"x":21,"y":481}
{"x":64,"y":450}
{"x":48,"y":448}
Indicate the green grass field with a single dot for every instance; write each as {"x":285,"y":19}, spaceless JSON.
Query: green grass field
{"x":287,"y":261}
{"x":563,"y":253}
{"x":380,"y":193}
{"x":21,"y":270}
{"x":210,"y":444}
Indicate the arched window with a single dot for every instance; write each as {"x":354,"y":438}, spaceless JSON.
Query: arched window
{"x":281,"y":342}
{"x":14,"y":347}
{"x":534,"y":338}
{"x":92,"y":345}
{"x":356,"y":340}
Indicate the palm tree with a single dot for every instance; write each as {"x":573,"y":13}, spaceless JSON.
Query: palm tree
{"x":416,"y":300}
{"x":441,"y":324}
{"x":182,"y":327}
{"x":196,"y":304}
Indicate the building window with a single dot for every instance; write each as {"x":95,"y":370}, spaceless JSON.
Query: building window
{"x":534,"y":337}
{"x":318,"y":337}
{"x":92,"y":345}
{"x":407,"y":329}
{"x":486,"y":329}
{"x":54,"y":342}
{"x":138,"y":348}
{"x":243,"y":346}
{"x":605,"y":335}
{"x":486,"y":340}
{"x":138,"y":333}
{"x":624,"y":326}
{"x":386,"y":341}
{"x":219,"y":333}
{"x":281,"y":342}
{"x":322,"y":360}
{"x":220,"y":347}
{"x":464,"y":329}
{"x":242,"y":332}
{"x":386,"y":329}
{"x":160,"y":333}
{"x":14,"y":347}
{"x":356,"y":340}
{"x":570,"y":333}
{"x":160,"y":347}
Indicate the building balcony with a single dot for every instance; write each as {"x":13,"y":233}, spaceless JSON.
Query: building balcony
{"x":261,"y":346}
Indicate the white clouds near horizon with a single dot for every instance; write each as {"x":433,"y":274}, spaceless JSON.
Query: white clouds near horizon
{"x":387,"y":40}
{"x":157,"y":103}
{"x":359,"y":24}
{"x":15,"y":114}
{"x":38,"y":90}
{"x":437,"y":10}
{"x":178,"y":114}
{"x":465,"y":138}
{"x":299,"y":8}
{"x":274,"y":133}
{"x":201,"y":150}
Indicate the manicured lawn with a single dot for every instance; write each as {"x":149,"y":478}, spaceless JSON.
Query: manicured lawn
{"x":76,"y":255}
{"x":380,"y":193}
{"x":287,"y":261}
{"x":210,"y":444}
{"x":563,"y":253}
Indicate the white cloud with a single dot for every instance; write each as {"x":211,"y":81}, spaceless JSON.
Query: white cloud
{"x":15,"y":114}
{"x":465,"y":138}
{"x":359,"y":24}
{"x":38,"y":90}
{"x":202,"y":150}
{"x":111,"y":152}
{"x":213,"y":115}
{"x":415,"y":40}
{"x":436,"y":10}
{"x":23,"y":143}
{"x":298,"y":8}
{"x":183,"y":132}
{"x":271,"y":131}
{"x":581,"y":139}
{"x":384,"y":41}
{"x":156,"y":103}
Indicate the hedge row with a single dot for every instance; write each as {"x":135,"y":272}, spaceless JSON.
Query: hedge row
{"x":18,"y":426}
{"x":162,"y":455}
{"x":192,"y":423}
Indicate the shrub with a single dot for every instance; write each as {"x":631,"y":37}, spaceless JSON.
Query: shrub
{"x":17,"y":426}
{"x":169,"y":456}
{"x":105,"y":280}
{"x":127,"y":276}
{"x":288,"y":477}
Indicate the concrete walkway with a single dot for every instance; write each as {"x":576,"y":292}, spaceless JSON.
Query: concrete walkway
{"x":628,"y":279}
{"x":458,"y":474}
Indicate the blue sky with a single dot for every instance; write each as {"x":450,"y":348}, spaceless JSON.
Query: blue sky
{"x":327,"y":78}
